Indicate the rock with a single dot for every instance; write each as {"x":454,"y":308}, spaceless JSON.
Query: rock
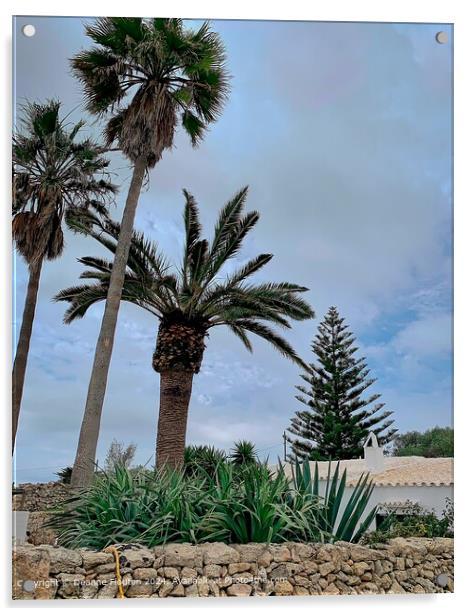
{"x":178,"y":591}
{"x":182,"y":555}
{"x":188,"y":576}
{"x":69,"y":584}
{"x":219,"y":554}
{"x":301,"y":590}
{"x":326,"y":568}
{"x":203,"y":587}
{"x":239,"y":590}
{"x":107,"y":568}
{"x":171,"y":572}
{"x":250,"y":552}
{"x":359,"y":568}
{"x":137,"y":557}
{"x":212,"y":571}
{"x":62,"y":560}
{"x":36,"y":533}
{"x":238,"y":568}
{"x":331,"y":590}
{"x":108,"y":591}
{"x":280,"y":553}
{"x":145,"y":573}
{"x":361,"y":553}
{"x":94,"y":559}
{"x":192,"y":591}
{"x":141,"y":590}
{"x":30,"y":574}
{"x":165,"y":588}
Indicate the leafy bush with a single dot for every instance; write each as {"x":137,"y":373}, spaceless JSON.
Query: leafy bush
{"x":202,"y":457}
{"x":233,"y":504}
{"x":65,"y":474}
{"x":434,"y":443}
{"x":415,"y":521}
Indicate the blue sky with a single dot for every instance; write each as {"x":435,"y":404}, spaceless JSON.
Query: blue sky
{"x":343,"y":132}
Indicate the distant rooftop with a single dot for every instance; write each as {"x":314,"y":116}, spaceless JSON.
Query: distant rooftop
{"x":397,"y":471}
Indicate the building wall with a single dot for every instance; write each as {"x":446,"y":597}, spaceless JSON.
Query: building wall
{"x":429,"y":497}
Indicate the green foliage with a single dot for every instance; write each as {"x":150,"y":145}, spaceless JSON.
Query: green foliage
{"x":65,"y":474}
{"x":198,"y":458}
{"x":55,"y":174}
{"x":233,"y":503}
{"x":243,"y":452}
{"x":348,"y":524}
{"x":195,"y":295}
{"x":415,"y":521}
{"x":434,"y":443}
{"x":338,"y":415}
{"x":147,"y":75}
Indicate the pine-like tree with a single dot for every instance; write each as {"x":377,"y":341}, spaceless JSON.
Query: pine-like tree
{"x":337,"y":418}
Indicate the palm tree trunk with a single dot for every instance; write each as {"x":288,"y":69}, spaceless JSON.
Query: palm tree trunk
{"x":23,"y":345}
{"x":83,"y":469}
{"x":175,"y":393}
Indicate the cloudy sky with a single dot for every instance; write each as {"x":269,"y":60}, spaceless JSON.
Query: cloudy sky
{"x":343,"y":132}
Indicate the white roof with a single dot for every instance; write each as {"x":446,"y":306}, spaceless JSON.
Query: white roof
{"x":397,"y":471}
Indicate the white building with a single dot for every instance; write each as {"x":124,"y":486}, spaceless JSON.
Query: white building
{"x":425,"y":481}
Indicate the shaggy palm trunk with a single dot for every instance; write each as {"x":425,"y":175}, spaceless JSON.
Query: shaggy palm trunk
{"x":175,"y":394}
{"x":179,"y":350}
{"x":83,"y":470}
{"x":23,"y":346}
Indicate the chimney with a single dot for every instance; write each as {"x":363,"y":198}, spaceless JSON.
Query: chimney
{"x":374,"y":458}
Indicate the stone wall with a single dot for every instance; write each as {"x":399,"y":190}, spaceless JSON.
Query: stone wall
{"x":39,"y":496}
{"x":216,"y":569}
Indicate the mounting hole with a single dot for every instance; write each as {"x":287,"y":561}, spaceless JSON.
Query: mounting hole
{"x":441,"y":37}
{"x":29,"y":30}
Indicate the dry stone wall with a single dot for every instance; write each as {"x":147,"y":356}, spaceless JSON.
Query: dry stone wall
{"x":39,"y":496}
{"x":216,"y":569}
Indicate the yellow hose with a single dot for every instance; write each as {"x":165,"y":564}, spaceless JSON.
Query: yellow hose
{"x":112,"y":550}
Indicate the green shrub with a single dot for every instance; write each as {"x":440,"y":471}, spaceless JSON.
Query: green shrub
{"x":231,"y":503}
{"x":415,"y":521}
{"x":202,"y":457}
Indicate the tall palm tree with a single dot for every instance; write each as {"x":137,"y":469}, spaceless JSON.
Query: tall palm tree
{"x":189,"y":302}
{"x":54,"y":175}
{"x":145,"y":76}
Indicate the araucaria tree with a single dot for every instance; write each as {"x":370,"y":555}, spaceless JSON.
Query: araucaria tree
{"x":145,"y":76}
{"x":190,"y":302}
{"x":337,"y":418}
{"x":55,"y":173}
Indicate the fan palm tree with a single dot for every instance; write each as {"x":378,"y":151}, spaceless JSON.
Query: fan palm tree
{"x":54,"y":175}
{"x":190,"y":302}
{"x":145,"y":76}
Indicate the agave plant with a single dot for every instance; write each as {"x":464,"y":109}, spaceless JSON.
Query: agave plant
{"x":233,"y":504}
{"x":190,"y":303}
{"x":337,"y":523}
{"x":55,"y":173}
{"x":145,"y":77}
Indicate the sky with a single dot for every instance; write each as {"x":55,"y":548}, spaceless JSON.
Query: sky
{"x":343,"y":133}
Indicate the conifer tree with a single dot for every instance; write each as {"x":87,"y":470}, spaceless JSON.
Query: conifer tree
{"x":337,"y":418}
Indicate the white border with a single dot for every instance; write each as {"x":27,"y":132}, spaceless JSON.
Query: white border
{"x":453,"y":11}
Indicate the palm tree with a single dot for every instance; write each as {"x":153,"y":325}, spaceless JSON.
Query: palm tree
{"x":145,"y":76}
{"x":54,"y":175}
{"x":189,"y":302}
{"x":243,"y":452}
